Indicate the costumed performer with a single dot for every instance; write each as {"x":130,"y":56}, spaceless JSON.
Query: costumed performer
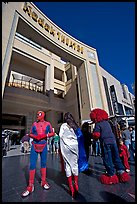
{"x":109,"y":148}
{"x":72,"y":151}
{"x":40,"y":131}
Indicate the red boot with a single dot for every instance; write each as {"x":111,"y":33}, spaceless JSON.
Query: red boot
{"x":44,"y":183}
{"x":30,"y":187}
{"x":71,"y":186}
{"x":76,"y":183}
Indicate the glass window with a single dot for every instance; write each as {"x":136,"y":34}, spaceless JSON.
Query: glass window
{"x":58,"y":74}
{"x":91,"y":55}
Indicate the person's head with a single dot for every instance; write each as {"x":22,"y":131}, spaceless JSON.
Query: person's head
{"x":97,"y":115}
{"x":124,"y":127}
{"x":120,"y":141}
{"x":131,"y":128}
{"x":40,"y":115}
{"x":85,"y":127}
{"x":68,"y":118}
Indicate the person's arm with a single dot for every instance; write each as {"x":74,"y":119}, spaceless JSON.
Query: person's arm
{"x":36,"y":137}
{"x":96,"y":132}
{"x":33,"y":132}
{"x":121,"y":153}
{"x":51,"y":132}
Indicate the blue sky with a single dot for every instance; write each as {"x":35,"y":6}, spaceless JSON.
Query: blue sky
{"x":109,"y":27}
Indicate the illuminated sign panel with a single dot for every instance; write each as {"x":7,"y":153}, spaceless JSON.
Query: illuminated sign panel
{"x":62,"y":38}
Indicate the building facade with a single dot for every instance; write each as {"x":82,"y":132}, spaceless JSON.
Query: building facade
{"x":44,"y":68}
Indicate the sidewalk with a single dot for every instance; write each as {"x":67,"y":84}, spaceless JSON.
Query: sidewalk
{"x":15,"y":151}
{"x":15,"y":173}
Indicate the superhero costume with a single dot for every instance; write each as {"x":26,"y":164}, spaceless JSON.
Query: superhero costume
{"x":40,"y":130}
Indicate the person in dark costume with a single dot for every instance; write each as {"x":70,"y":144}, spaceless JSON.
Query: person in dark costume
{"x":109,"y":148}
{"x":87,"y":138}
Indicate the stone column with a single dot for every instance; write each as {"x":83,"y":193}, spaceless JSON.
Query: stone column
{"x":8,"y":53}
{"x":30,"y":119}
{"x":51,"y":116}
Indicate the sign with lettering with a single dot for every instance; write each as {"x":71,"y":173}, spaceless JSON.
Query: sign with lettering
{"x":50,"y":29}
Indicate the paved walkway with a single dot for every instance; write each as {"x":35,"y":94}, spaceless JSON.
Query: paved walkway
{"x":15,"y":151}
{"x":15,"y":169}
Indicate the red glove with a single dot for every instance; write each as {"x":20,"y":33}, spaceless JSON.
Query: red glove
{"x":38,"y":137}
{"x":42,"y":136}
{"x":34,"y":136}
{"x":50,"y":134}
{"x":96,"y":135}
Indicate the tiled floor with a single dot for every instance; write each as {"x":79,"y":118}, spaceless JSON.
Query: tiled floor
{"x":15,"y":168}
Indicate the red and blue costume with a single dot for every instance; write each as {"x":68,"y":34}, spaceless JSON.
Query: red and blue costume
{"x":109,"y":148}
{"x":40,"y":130}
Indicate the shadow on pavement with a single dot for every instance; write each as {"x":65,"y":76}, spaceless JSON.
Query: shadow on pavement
{"x":110,"y":197}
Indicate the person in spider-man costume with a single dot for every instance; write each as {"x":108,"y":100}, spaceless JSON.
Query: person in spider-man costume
{"x":110,"y":154}
{"x":40,"y":131}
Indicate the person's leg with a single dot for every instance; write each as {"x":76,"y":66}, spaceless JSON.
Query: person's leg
{"x":125,"y":162}
{"x":71,"y":185}
{"x":116,"y":158}
{"x":99,"y":148}
{"x":122,"y":175}
{"x":107,"y":160}
{"x":110,"y":177}
{"x":76,"y":183}
{"x":43,"y":169}
{"x":25,"y":146}
{"x":56,"y":147}
{"x":127,"y":143}
{"x":96,"y":148}
{"x":69,"y":178}
{"x":33,"y":160}
{"x":75,"y":176}
{"x":50,"y":144}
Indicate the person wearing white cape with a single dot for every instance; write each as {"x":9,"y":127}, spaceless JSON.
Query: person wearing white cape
{"x":72,"y":150}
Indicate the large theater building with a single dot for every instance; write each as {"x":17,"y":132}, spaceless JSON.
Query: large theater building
{"x":44,"y":68}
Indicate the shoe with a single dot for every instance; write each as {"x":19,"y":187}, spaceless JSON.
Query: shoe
{"x":45,"y":185}
{"x":109,"y":180}
{"x":127,"y":170}
{"x":29,"y":190}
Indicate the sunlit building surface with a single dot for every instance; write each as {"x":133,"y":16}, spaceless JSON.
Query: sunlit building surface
{"x":44,"y":68}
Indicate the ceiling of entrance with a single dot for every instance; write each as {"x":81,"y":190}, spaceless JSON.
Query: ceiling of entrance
{"x":27,"y":31}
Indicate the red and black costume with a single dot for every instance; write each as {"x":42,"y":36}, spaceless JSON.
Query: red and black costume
{"x":40,"y":130}
{"x":109,"y":148}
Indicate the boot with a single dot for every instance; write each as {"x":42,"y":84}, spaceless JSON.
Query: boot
{"x":71,"y":186}
{"x":44,"y":183}
{"x":30,"y":187}
{"x":76,"y":183}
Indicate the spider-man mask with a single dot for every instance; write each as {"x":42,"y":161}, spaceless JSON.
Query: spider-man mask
{"x":40,"y":115}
